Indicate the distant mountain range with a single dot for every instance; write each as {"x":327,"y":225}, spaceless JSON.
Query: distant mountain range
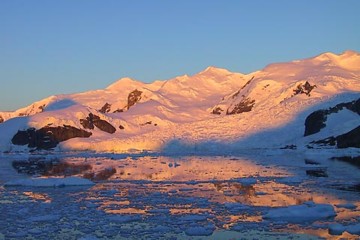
{"x":309,"y":103}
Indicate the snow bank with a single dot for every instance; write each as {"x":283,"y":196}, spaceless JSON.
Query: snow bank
{"x":307,"y":212}
{"x":50,"y":182}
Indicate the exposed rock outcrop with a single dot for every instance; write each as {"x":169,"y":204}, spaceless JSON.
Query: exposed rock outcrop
{"x":349,"y":139}
{"x":106,"y":108}
{"x":94,"y":120}
{"x":217,"y":110}
{"x":118,"y":111}
{"x":346,"y":140}
{"x":1,"y":119}
{"x":317,"y":120}
{"x":320,"y":172}
{"x":42,"y":107}
{"x":245,"y":105}
{"x":330,"y":141}
{"x":351,"y":160}
{"x":146,"y":123}
{"x":133,"y":98}
{"x":47,"y":137}
{"x":305,"y":88}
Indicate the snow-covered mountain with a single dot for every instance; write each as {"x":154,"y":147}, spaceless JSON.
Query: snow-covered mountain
{"x":213,"y":110}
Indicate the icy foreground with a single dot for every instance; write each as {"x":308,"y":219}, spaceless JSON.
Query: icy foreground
{"x":260,"y":196}
{"x":213,"y":111}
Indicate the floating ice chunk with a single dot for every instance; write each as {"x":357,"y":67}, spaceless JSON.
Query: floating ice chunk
{"x":45,"y":218}
{"x":247,"y":181}
{"x":307,"y":212}
{"x":125,"y":218}
{"x":159,"y":211}
{"x":236,"y":207}
{"x":353,"y":229}
{"x":346,"y":205}
{"x":161,"y":228}
{"x":200,"y":230}
{"x":194,"y":217}
{"x":50,"y":182}
{"x":336,"y":229}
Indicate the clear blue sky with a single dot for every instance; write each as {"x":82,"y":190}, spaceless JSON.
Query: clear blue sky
{"x":50,"y":47}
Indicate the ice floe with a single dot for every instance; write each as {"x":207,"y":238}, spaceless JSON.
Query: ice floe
{"x":307,"y":212}
{"x":50,"y":182}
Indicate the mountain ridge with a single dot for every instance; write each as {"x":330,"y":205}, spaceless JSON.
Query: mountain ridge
{"x":147,"y":116}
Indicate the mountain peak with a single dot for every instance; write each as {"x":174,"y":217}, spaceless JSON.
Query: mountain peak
{"x":331,"y":56}
{"x":212,"y":70}
{"x":124,"y":82}
{"x":349,"y":59}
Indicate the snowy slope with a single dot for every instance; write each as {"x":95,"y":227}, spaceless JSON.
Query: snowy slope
{"x":213,"y":110}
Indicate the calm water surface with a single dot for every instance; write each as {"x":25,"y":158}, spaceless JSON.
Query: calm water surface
{"x":156,"y":197}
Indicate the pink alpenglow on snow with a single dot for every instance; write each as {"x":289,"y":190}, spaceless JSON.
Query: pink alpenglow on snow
{"x":214,"y":110}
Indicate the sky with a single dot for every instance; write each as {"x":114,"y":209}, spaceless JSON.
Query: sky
{"x":57,"y":47}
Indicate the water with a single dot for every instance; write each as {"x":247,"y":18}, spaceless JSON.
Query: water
{"x":158,"y":197}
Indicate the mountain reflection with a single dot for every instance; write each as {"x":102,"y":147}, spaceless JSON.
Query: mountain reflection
{"x":221,"y":191}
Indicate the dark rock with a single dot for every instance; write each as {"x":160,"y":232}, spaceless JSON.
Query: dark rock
{"x":245,"y":105}
{"x":67,"y":169}
{"x":42,"y":107}
{"x":311,"y":162}
{"x":118,"y":111}
{"x":23,"y":137}
{"x":351,"y":160}
{"x":63,"y":133}
{"x":315,"y":122}
{"x":94,"y":120}
{"x":1,"y":119}
{"x":217,"y":110}
{"x":352,"y":187}
{"x":317,"y":172}
{"x":330,"y":141}
{"x":237,"y":93}
{"x":346,"y":140}
{"x":292,"y":146}
{"x":53,"y":167}
{"x":87,"y":123}
{"x":106,"y":108}
{"x":349,"y":139}
{"x":133,"y":98}
{"x":247,"y":83}
{"x":146,"y":123}
{"x":47,"y":137}
{"x":102,"y":175}
{"x":121,"y":127}
{"x":305,"y":88}
{"x":355,"y":106}
{"x":33,"y":166}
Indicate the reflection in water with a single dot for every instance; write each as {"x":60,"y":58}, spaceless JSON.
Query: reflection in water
{"x":38,"y":196}
{"x":174,"y":195}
